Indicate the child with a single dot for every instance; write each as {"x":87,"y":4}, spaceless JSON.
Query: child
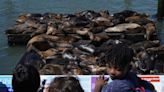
{"x":118,"y":61}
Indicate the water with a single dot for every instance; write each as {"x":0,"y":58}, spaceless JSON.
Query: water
{"x":10,"y":9}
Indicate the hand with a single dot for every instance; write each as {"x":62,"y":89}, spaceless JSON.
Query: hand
{"x":100,"y":82}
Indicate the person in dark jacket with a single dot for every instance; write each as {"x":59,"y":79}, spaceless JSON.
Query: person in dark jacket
{"x":25,"y":78}
{"x":118,"y":61}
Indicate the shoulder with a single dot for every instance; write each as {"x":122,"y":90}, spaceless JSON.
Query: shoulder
{"x":117,"y":86}
{"x":147,"y":85}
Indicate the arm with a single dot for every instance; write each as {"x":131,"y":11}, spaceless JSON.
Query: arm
{"x":100,"y":82}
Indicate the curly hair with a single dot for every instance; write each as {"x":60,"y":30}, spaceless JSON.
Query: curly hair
{"x":119,"y":56}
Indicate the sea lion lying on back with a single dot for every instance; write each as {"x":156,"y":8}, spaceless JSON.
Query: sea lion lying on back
{"x":122,"y":27}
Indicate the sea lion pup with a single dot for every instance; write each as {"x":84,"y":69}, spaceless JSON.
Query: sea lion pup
{"x":150,"y":30}
{"x":51,"y":69}
{"x":122,"y":27}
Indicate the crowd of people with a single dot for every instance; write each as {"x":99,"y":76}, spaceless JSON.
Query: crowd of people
{"x":26,"y":77}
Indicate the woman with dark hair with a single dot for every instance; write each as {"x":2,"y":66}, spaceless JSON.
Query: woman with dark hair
{"x":25,"y":78}
{"x":65,"y":84}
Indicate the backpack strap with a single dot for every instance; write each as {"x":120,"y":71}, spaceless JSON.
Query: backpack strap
{"x":144,"y":86}
{"x":139,"y":89}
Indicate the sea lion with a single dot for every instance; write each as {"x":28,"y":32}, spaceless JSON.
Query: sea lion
{"x":122,"y":27}
{"x":48,"y":53}
{"x":104,"y":13}
{"x":82,"y":31}
{"x":145,"y":61}
{"x":150,"y":30}
{"x":139,"y":46}
{"x":89,"y":14}
{"x":41,"y":42}
{"x":42,"y":28}
{"x":99,"y":38}
{"x":52,"y":29}
{"x":158,"y":52}
{"x":141,"y":20}
{"x":121,"y":16}
{"x":51,"y":69}
{"x":102,"y":21}
{"x":88,"y":59}
{"x":68,"y":54}
{"x":22,"y":18}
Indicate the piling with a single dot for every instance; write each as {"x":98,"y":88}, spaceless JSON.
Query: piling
{"x":160,"y":12}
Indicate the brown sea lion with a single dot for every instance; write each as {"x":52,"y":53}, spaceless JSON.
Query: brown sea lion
{"x":150,"y":30}
{"x":48,"y":53}
{"x":88,"y":59}
{"x":83,"y":31}
{"x":105,"y":13}
{"x":52,"y":29}
{"x":139,"y":46}
{"x":51,"y":69}
{"x":22,"y":18}
{"x":41,"y":42}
